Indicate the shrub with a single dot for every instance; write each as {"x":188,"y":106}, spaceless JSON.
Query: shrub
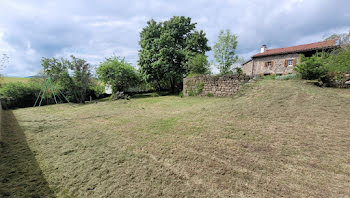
{"x":339,"y":61}
{"x":181,"y":94}
{"x":287,"y":77}
{"x":311,"y":68}
{"x":19,"y":94}
{"x":118,"y":73}
{"x":210,"y":94}
{"x":200,"y":87}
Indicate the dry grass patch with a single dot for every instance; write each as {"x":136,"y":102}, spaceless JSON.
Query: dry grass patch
{"x":278,"y":138}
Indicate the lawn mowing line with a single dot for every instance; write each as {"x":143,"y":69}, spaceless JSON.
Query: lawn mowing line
{"x":185,"y":175}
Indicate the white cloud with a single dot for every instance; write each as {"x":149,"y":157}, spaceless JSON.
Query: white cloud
{"x":93,"y":30}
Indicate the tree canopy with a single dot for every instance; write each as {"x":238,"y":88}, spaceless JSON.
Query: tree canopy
{"x":224,"y":51}
{"x":166,"y":48}
{"x":75,"y":85}
{"x":117,"y":73}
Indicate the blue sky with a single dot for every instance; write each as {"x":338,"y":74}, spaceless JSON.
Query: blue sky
{"x":93,"y":30}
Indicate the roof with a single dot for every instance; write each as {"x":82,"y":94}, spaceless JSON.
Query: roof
{"x":247,"y":61}
{"x":299,"y":48}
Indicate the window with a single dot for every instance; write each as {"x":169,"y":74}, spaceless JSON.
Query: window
{"x":290,"y":62}
{"x":269,"y":64}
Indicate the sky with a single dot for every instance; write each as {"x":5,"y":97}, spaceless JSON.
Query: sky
{"x":93,"y":30}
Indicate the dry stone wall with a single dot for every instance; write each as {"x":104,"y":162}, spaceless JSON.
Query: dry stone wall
{"x":207,"y":85}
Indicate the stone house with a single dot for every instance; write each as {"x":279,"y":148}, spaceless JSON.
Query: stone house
{"x":283,"y":60}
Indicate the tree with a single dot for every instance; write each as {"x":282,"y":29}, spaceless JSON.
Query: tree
{"x":117,"y":73}
{"x":166,"y":48}
{"x":198,"y":64}
{"x":224,"y":51}
{"x":344,"y":39}
{"x":4,"y":60}
{"x":75,"y":85}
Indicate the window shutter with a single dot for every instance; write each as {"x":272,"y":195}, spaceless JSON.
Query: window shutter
{"x":286,"y":63}
{"x":265,"y":64}
{"x":271,"y":63}
{"x":294,"y":62}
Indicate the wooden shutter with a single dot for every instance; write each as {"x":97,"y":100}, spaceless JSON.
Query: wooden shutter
{"x":266,"y":64}
{"x":286,"y":63}
{"x":294,"y":62}
{"x":271,"y":63}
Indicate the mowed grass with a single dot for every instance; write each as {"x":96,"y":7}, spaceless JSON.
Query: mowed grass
{"x":274,"y":139}
{"x":13,"y":79}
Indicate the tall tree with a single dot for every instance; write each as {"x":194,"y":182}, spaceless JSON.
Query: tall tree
{"x":166,"y":47}
{"x":224,"y":51}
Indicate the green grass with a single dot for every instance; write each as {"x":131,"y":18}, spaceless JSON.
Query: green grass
{"x":13,"y":79}
{"x":275,"y":138}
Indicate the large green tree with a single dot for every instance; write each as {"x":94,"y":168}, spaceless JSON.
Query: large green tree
{"x":117,"y":73}
{"x":166,"y":48}
{"x":224,"y":51}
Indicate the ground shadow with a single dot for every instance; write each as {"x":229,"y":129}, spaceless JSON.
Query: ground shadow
{"x":20,"y":174}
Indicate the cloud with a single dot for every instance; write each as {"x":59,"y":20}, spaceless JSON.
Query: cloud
{"x":97,"y":29}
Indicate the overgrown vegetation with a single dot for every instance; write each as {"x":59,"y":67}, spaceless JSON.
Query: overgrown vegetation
{"x":329,"y":68}
{"x":19,"y":94}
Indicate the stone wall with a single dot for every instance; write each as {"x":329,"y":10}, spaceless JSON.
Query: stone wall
{"x":206,"y":85}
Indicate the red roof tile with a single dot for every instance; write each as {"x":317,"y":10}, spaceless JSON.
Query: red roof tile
{"x":299,"y":48}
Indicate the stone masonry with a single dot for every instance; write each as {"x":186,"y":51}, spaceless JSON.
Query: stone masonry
{"x":206,"y":85}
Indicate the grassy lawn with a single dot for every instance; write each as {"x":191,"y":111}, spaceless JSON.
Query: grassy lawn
{"x":274,"y":139}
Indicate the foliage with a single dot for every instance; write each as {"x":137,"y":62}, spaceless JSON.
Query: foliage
{"x":155,"y":94}
{"x":311,"y":68}
{"x":74,"y":86}
{"x":288,"y":77}
{"x":343,"y":38}
{"x":210,"y":94}
{"x":224,"y":51}
{"x":239,"y":70}
{"x":166,"y":48}
{"x":200,"y":87}
{"x":118,"y":73}
{"x":198,"y":64}
{"x":181,"y":94}
{"x":339,"y":61}
{"x":3,"y":62}
{"x":19,"y":94}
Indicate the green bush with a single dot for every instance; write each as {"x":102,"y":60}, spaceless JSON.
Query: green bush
{"x":339,"y":61}
{"x":181,"y":94}
{"x":210,"y":94}
{"x":19,"y":94}
{"x":311,"y":68}
{"x":287,"y":77}
{"x":200,"y":87}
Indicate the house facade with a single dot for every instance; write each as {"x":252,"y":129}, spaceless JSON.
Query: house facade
{"x":283,"y":60}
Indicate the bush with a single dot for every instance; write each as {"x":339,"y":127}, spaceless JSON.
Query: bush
{"x":118,"y":73}
{"x":18,"y":94}
{"x":311,"y":68}
{"x":288,"y":77}
{"x":339,"y":61}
